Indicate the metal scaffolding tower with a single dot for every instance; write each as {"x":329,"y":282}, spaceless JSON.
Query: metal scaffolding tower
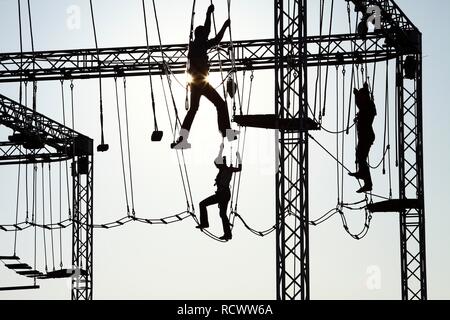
{"x":38,"y":139}
{"x":290,"y":54}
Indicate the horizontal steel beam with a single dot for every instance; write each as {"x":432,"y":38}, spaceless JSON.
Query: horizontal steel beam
{"x":134,"y":61}
{"x":37,"y":138}
{"x":13,"y":153}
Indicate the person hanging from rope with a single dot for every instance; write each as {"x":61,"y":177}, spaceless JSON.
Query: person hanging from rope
{"x":222,"y":195}
{"x":366,"y":136}
{"x":198,"y":69}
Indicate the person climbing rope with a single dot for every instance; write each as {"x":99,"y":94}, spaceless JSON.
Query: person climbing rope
{"x":222,"y":195}
{"x":198,"y":69}
{"x":366,"y":136}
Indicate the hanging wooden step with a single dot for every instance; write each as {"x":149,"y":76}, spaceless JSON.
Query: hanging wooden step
{"x":9,"y":258}
{"x":18,"y":266}
{"x":30,"y":273}
{"x":273,"y":121}
{"x":19,"y":288}
{"x":395,"y":205}
{"x":59,"y":274}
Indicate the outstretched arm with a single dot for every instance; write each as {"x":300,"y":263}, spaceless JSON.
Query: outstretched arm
{"x":215,"y":41}
{"x":208,"y":19}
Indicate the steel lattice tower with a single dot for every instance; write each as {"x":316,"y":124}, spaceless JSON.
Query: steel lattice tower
{"x":291,"y":75}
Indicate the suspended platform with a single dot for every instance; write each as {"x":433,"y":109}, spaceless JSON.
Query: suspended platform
{"x":26,"y":270}
{"x":19,"y":288}
{"x":395,"y":205}
{"x":13,"y":263}
{"x":273,"y":121}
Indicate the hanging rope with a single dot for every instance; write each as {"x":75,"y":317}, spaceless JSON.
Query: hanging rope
{"x":337,"y":136}
{"x":243,"y":143}
{"x":43,"y":216}
{"x":51,"y":213}
{"x":128,"y":145}
{"x":121,"y":148}
{"x":327,"y":67}
{"x":102,"y":147}
{"x":155,"y":122}
{"x":63,"y":104}
{"x":60,"y":216}
{"x":34,"y":214}
{"x":343,"y":127}
{"x":17,"y":208}
{"x":388,"y":125}
{"x":218,"y":54}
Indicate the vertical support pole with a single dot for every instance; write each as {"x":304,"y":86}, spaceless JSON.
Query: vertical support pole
{"x":292,"y":239}
{"x":82,"y":238}
{"x":411,"y":182}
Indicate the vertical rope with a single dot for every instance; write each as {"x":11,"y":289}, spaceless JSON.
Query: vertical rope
{"x":155,"y":123}
{"x":121,"y":147}
{"x":60,"y":215}
{"x":218,"y":55}
{"x":43,"y":216}
{"x":337,"y":135}
{"x":99,"y":72}
{"x":51,"y":213}
{"x":128,"y":144}
{"x":17,"y":208}
{"x":327,"y":67}
{"x":63,"y":104}
{"x":243,"y":143}
{"x":33,"y":216}
{"x":388,"y":107}
{"x":343,"y":129}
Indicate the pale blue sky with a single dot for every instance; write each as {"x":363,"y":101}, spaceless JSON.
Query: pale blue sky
{"x":178,"y":262}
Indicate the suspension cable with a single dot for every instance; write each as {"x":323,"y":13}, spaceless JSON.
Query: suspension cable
{"x":343,"y":127}
{"x":167,"y":72}
{"x":63,"y":104}
{"x":218,"y":53}
{"x":121,"y":148}
{"x":51,"y":213}
{"x":102,"y":147}
{"x":21,"y":50}
{"x":388,"y":129}
{"x":155,"y":123}
{"x":43,"y":216}
{"x":337,"y":136}
{"x":327,"y":67}
{"x":244,"y":140}
{"x":191,"y":38}
{"x":128,"y":145}
{"x":17,"y":207}
{"x":60,"y":215}
{"x":34,"y":214}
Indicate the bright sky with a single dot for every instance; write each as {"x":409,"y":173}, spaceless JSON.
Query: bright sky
{"x":177,"y":261}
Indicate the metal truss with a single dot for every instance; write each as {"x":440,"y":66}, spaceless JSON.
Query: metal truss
{"x":133,"y":61}
{"x":411,"y":183}
{"x":292,"y":211}
{"x":82,"y":235}
{"x":290,"y":54}
{"x":37,"y":138}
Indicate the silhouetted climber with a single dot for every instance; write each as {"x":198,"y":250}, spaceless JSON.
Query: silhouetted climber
{"x":198,"y":68}
{"x":366,"y":135}
{"x":222,"y":195}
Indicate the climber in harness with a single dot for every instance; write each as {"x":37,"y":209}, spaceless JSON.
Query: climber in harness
{"x":366,"y":135}
{"x":198,"y":68}
{"x":222,"y":195}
